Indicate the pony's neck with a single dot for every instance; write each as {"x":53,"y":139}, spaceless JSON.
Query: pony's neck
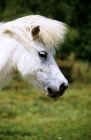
{"x":5,"y":75}
{"x":6,"y":68}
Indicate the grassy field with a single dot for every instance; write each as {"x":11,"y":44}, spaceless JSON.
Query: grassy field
{"x":28,"y":114}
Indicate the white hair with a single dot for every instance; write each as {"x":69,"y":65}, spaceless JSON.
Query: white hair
{"x":52,"y":32}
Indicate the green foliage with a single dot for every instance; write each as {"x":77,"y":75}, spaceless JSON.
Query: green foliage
{"x":69,"y":44}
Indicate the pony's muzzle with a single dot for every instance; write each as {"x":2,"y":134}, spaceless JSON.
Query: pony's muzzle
{"x":53,"y":93}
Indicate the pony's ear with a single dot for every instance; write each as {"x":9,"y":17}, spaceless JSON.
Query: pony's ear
{"x":35,"y":31}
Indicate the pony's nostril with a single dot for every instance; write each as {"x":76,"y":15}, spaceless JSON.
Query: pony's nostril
{"x":51,"y":93}
{"x":49,"y":90}
{"x":63,"y":87}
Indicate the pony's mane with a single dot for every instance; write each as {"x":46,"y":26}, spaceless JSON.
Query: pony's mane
{"x":52,"y":32}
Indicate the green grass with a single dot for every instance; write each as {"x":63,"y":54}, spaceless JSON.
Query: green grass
{"x":28,"y":114}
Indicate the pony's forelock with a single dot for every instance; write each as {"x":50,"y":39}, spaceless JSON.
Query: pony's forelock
{"x":51,"y":33}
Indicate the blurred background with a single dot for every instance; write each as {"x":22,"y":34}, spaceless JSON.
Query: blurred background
{"x":73,"y":110}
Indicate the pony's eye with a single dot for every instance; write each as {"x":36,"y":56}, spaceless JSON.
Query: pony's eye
{"x":43,"y":54}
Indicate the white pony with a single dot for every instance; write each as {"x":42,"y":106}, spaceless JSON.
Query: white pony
{"x":27,"y":46}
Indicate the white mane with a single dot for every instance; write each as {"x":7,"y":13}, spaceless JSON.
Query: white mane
{"x":52,"y":32}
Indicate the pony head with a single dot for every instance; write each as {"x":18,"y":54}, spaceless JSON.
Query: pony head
{"x":34,"y":39}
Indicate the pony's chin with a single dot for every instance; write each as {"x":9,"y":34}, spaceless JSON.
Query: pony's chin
{"x":54,"y":96}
